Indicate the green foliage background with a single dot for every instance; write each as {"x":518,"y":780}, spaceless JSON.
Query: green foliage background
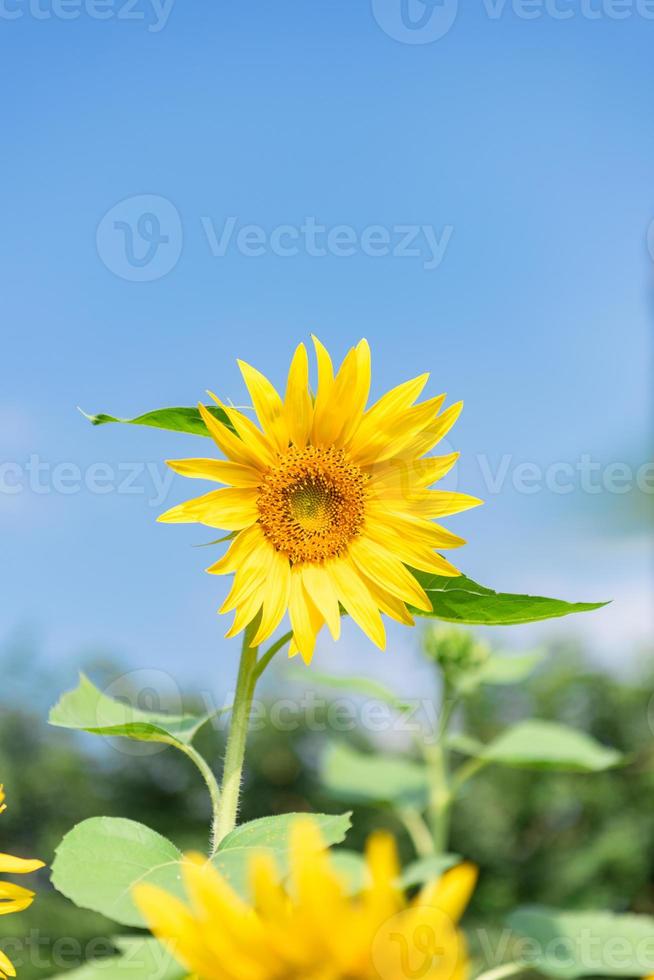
{"x":579,"y":841}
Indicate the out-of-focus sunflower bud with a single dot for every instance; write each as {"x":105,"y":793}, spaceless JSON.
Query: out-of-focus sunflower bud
{"x":458,"y":653}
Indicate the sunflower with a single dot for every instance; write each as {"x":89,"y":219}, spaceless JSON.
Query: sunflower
{"x":308,"y":927}
{"x":327,"y":501}
{"x":13,"y":898}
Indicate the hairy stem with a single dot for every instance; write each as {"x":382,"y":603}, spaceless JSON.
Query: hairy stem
{"x":225,"y":818}
{"x":249,"y":672}
{"x":210,"y":780}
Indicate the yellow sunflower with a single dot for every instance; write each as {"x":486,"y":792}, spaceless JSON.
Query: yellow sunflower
{"x":13,"y":898}
{"x":328,"y":501}
{"x":309,"y":928}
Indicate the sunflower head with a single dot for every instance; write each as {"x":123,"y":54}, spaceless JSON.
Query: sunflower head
{"x":306,"y":926}
{"x":330,"y":503}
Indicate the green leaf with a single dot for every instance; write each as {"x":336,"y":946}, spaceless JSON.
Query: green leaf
{"x":427,"y":869}
{"x":87,"y":709}
{"x":578,"y":944}
{"x":460,"y":600}
{"x":272,"y":836}
{"x":547,"y":745}
{"x":173,"y":419}
{"x":101,"y":859}
{"x":355,"y":776}
{"x":273,"y":833}
{"x":142,"y":958}
{"x":500,"y":670}
{"x":510,"y":670}
{"x":465,"y":744}
{"x":363,"y":686}
{"x":98,"y":863}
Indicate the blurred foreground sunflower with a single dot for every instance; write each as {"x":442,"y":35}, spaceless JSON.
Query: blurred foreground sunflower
{"x":13,"y":898}
{"x":308,"y":927}
{"x":328,"y":501}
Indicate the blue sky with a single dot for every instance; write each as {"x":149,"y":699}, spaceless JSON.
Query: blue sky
{"x":518,"y":152}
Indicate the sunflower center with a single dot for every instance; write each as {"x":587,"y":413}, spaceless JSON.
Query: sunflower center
{"x":312,"y":504}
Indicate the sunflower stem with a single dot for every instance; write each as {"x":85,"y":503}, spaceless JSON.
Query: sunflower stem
{"x":437,"y":755}
{"x":230,"y":792}
{"x":210,"y":780}
{"x":225,"y":805}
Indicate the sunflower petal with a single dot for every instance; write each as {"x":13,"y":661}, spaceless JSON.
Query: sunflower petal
{"x":228,"y":443}
{"x":322,"y":593}
{"x":230,"y":509}
{"x":298,"y":408}
{"x":355,"y":597}
{"x":219,"y":470}
{"x":18,"y":866}
{"x":384,"y":568}
{"x":275,"y":603}
{"x":267,"y":404}
{"x":305,"y":621}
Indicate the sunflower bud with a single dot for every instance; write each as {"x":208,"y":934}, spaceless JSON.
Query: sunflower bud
{"x":458,"y":653}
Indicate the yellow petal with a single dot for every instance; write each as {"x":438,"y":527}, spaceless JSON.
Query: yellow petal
{"x":14,"y":898}
{"x":383,"y":895}
{"x":322,"y":593}
{"x":239,"y":549}
{"x":355,"y":597}
{"x":441,"y":503}
{"x":229,"y":509}
{"x":252,"y":437}
{"x":298,"y":408}
{"x":356,"y":393}
{"x":385,"y":413}
{"x":305,"y":621}
{"x":6,"y":966}
{"x":246,"y":612}
{"x":422,"y":559}
{"x":219,"y":470}
{"x":276,"y":596}
{"x":323,"y":394}
{"x":451,"y":893}
{"x":390,"y":440}
{"x":384,"y":523}
{"x":335,"y":416}
{"x":405,"y":476}
{"x":250,"y":575}
{"x":267,"y":404}
{"x":229,"y":443}
{"x":389,"y":604}
{"x":240,"y":940}
{"x":388,"y":572}
{"x":432,"y":433}
{"x":171,"y":921}
{"x":17,"y":866}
